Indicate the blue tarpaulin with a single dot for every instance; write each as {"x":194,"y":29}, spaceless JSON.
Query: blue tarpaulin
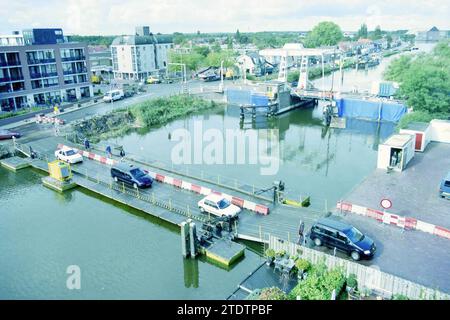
{"x":369,"y":109}
{"x":246,"y":98}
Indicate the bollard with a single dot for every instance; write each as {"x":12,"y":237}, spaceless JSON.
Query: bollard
{"x":137,"y":193}
{"x":260,"y":232}
{"x":123,"y":187}
{"x":170,"y":204}
{"x":153,"y":197}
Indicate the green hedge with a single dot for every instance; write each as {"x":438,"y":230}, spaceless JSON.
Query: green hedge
{"x":319,"y":284}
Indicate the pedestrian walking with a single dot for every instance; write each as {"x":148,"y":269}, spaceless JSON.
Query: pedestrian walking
{"x":301,"y":229}
{"x":122,"y":154}
{"x":109,"y":152}
{"x":87,"y":145}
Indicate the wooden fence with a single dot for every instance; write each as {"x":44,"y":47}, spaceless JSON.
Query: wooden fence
{"x":383,"y":284}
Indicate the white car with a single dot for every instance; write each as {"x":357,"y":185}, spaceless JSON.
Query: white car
{"x":68,"y":155}
{"x":218,"y":206}
{"x":113,"y":95}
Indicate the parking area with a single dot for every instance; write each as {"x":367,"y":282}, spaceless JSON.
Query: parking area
{"x":413,"y":192}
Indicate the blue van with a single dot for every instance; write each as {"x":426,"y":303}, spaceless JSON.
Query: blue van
{"x":131,"y":175}
{"x":444,"y":188}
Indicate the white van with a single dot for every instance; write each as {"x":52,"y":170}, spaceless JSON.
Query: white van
{"x":113,"y":95}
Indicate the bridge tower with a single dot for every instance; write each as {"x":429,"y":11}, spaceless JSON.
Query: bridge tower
{"x":282,"y":74}
{"x":303,"y":76}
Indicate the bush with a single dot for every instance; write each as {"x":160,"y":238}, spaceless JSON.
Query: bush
{"x":320,"y":284}
{"x":352,"y":282}
{"x":302,"y":265}
{"x":281,"y":253}
{"x":419,"y":116}
{"x":270,"y":253}
{"x":272,"y":293}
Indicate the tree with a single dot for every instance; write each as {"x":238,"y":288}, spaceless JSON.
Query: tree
{"x":376,"y":34}
{"x":424,"y":79}
{"x":326,"y":33}
{"x":362,"y":32}
{"x":204,"y":51}
{"x":237,"y":36}
{"x":229,"y":43}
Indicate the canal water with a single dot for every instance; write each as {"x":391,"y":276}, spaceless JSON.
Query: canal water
{"x":125,"y":254}
{"x":122,"y":253}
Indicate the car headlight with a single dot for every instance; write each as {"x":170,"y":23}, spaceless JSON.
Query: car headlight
{"x":367,"y":252}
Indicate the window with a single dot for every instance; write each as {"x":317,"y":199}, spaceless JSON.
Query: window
{"x":224,"y":203}
{"x":354,"y":234}
{"x":447,"y":183}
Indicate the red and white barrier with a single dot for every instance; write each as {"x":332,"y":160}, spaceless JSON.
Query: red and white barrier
{"x":393,"y":219}
{"x":45,"y":119}
{"x":242,"y":203}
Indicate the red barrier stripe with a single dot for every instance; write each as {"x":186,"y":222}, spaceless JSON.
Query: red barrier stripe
{"x":410,"y":223}
{"x":262,"y":209}
{"x":91,"y":156}
{"x":196,"y":188}
{"x":378,"y":215}
{"x":177,"y":182}
{"x":345,"y":206}
{"x":394,"y":219}
{"x":159,"y":177}
{"x":216,"y":192}
{"x":442,"y":232}
{"x":237,"y":201}
{"x":103,"y":160}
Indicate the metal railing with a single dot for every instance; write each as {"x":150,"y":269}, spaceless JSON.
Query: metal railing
{"x":169,"y":204}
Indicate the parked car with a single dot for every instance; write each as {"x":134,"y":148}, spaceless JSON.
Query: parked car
{"x":7,"y":134}
{"x":113,"y":95}
{"x":444,"y":188}
{"x":68,"y":155}
{"x":218,"y":206}
{"x":153,"y":80}
{"x":131,"y":175}
{"x":342,"y":236}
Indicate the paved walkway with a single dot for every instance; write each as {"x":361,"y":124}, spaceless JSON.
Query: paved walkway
{"x":413,"y":192}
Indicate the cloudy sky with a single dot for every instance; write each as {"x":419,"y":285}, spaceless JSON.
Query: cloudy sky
{"x":112,"y":17}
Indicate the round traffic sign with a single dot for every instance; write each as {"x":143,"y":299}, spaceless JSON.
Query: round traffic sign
{"x":386,"y":203}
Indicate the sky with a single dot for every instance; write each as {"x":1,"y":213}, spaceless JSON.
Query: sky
{"x":115,"y":17}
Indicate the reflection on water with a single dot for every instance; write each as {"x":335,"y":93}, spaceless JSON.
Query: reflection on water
{"x":191,"y":275}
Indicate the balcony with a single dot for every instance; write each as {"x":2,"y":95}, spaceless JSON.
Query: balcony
{"x":81,"y":70}
{"x":41,"y":61}
{"x":73,"y":58}
{"x":39,"y":75}
{"x":47,"y":85}
{"x":12,"y":78}
{"x":10,"y":63}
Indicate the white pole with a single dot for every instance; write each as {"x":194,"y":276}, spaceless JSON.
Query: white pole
{"x":221,"y":75}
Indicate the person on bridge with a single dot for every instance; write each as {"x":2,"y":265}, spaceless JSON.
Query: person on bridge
{"x":122,"y":154}
{"x":86,"y":143}
{"x":109,"y":152}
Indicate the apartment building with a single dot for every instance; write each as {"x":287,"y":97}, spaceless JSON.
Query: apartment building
{"x":137,"y":56}
{"x":45,"y":69}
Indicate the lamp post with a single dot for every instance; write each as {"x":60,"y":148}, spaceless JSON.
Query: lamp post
{"x":183,"y":65}
{"x":221,"y":76}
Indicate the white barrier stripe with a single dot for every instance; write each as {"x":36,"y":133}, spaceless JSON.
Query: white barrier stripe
{"x":426,"y":227}
{"x":152,"y":174}
{"x":249,"y":205}
{"x":359,"y":210}
{"x":205,"y":191}
{"x":186,"y":185}
{"x":168,"y":180}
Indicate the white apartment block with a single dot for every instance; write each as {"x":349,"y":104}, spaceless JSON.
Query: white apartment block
{"x":138,"y":56}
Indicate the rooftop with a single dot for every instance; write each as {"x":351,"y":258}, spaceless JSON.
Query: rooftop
{"x":417,"y":126}
{"x":398,"y":140}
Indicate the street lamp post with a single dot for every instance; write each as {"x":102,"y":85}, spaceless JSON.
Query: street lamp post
{"x":221,"y":76}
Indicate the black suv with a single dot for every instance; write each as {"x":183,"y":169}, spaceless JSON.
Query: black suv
{"x":131,"y":175}
{"x":342,"y":236}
